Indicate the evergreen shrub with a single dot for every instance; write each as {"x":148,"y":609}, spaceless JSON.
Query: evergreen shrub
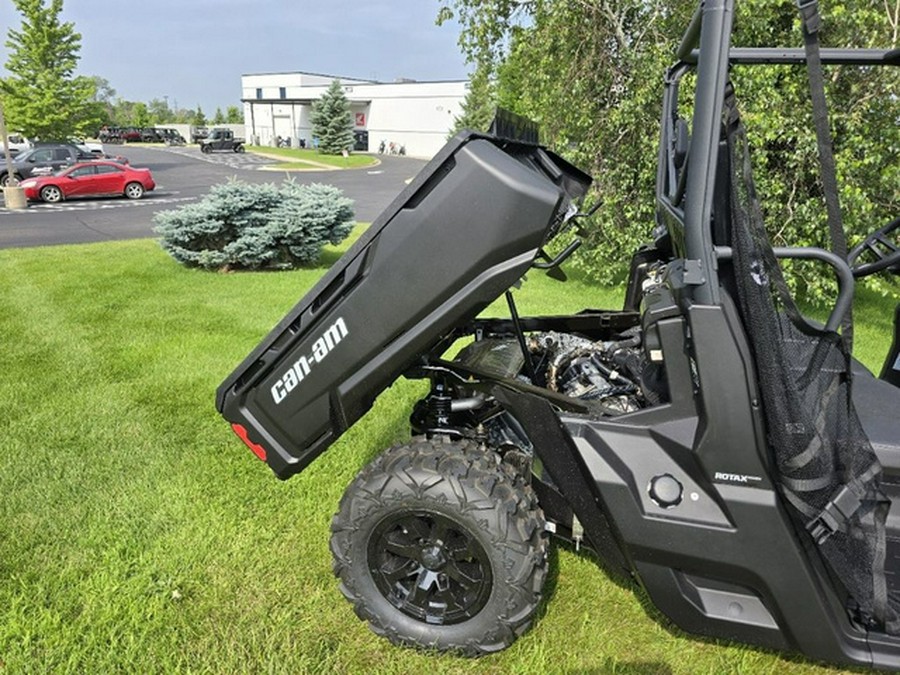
{"x":251,"y":227}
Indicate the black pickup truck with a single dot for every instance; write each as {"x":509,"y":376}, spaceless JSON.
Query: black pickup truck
{"x":222,"y":139}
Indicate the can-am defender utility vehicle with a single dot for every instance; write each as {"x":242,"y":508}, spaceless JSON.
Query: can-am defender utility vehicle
{"x":708,"y":439}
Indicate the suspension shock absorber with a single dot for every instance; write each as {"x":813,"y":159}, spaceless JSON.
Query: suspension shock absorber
{"x":439,"y":404}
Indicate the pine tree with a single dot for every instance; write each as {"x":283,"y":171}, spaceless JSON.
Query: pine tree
{"x":199,"y":118}
{"x":233,"y":115}
{"x":42,"y":96}
{"x":479,"y":105}
{"x":331,"y":121}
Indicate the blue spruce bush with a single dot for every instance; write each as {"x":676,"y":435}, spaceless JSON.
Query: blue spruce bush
{"x":243,"y":226}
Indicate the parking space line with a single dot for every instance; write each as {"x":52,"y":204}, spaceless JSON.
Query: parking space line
{"x":93,"y":205}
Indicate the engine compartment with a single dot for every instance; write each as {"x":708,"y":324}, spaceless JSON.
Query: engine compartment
{"x":614,"y":375}
{"x":594,"y":362}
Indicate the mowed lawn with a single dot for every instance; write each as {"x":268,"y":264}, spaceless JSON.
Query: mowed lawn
{"x":308,"y":158}
{"x":138,"y":535}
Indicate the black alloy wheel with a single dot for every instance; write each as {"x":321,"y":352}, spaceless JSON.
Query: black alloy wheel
{"x":440,"y":545}
{"x":429,"y":567}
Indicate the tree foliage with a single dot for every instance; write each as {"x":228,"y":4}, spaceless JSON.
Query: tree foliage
{"x":591,"y":73}
{"x":332,"y":122}
{"x":479,"y":105}
{"x":42,"y":95}
{"x":233,"y":115}
{"x":199,"y":119}
{"x":243,"y":226}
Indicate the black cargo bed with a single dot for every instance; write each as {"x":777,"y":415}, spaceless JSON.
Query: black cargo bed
{"x":466,"y":229}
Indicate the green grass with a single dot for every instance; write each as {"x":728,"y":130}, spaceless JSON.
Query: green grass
{"x":137,"y":534}
{"x":307,"y":158}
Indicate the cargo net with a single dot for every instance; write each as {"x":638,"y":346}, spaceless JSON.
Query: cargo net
{"x":826,"y":468}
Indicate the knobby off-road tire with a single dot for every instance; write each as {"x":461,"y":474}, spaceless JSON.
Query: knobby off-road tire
{"x":439,"y":545}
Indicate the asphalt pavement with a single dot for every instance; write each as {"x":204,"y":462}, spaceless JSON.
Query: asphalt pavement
{"x":184,"y":175}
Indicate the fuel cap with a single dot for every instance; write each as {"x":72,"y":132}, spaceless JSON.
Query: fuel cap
{"x":665,"y":490}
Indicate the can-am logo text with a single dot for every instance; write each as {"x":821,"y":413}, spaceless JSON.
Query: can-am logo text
{"x":321,"y":348}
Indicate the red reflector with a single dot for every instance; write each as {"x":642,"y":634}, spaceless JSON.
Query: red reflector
{"x":257,"y":449}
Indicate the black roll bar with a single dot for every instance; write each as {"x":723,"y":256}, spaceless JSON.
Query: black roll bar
{"x":712,"y":76}
{"x":844,"y":274}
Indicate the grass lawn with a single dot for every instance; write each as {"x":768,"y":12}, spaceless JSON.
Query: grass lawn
{"x":307,"y":158}
{"x":137,"y":534}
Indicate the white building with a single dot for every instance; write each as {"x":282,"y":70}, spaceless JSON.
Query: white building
{"x":414,"y":115}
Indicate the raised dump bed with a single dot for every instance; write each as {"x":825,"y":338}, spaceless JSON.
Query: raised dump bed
{"x":466,"y":229}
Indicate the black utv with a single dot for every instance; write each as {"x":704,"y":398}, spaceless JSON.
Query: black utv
{"x":708,"y":439}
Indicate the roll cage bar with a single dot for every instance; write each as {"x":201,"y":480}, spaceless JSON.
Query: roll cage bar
{"x":706,"y":49}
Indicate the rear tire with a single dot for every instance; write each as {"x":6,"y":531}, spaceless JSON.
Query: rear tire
{"x":134,"y":191}
{"x":51,"y":194}
{"x":439,"y":545}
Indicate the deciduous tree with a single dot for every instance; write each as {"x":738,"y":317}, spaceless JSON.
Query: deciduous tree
{"x":591,"y":73}
{"x":159,"y":111}
{"x":43,"y":96}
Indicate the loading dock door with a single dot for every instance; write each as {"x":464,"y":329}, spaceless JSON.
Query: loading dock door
{"x":283,"y":126}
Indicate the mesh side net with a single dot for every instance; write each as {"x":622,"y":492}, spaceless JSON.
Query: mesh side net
{"x":827,"y":471}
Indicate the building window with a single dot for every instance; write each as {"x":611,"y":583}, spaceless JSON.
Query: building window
{"x":282,"y":92}
{"x":259,"y":92}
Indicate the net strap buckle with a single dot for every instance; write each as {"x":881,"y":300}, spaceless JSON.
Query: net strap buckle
{"x":834,"y":517}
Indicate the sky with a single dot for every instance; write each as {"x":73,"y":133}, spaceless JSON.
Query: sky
{"x":193,"y":52}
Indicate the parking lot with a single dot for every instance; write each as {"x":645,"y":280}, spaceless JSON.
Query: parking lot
{"x":183,"y":175}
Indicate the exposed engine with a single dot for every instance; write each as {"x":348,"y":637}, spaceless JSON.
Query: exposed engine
{"x":613,"y":376}
{"x":607,"y":372}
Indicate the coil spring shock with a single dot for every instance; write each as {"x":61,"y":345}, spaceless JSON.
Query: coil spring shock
{"x":439,"y":407}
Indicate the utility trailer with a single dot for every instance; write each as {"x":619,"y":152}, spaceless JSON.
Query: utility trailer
{"x":707,"y":440}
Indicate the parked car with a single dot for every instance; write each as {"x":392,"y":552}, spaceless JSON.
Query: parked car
{"x":130,"y":135}
{"x":198,"y":134}
{"x":171,"y":136}
{"x":45,"y":159}
{"x":90,"y":179}
{"x":42,"y":159}
{"x":108,"y":134}
{"x":86,"y":149}
{"x":17,"y":143}
{"x":91,"y":147}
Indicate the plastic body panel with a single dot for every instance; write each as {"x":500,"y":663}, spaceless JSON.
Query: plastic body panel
{"x":460,"y":235}
{"x":725,"y":560}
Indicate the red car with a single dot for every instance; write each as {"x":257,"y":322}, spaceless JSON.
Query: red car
{"x":89,"y":179}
